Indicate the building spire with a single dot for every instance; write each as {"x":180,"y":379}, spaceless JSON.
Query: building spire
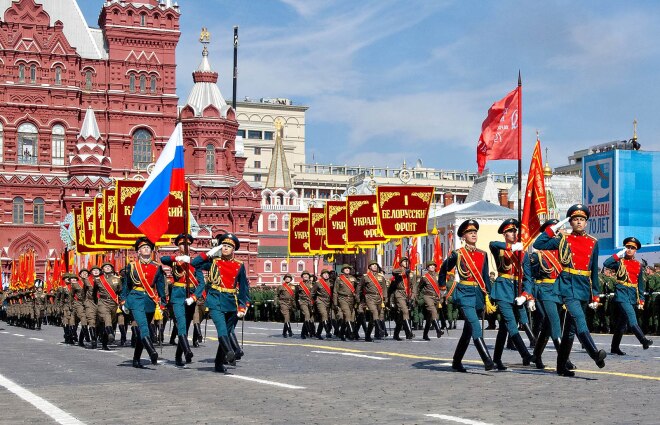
{"x":279,"y":176}
{"x":89,"y":127}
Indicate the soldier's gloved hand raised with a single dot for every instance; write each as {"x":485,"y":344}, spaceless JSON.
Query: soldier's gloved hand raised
{"x":531,"y":305}
{"x":560,"y":224}
{"x":214,"y":251}
{"x":622,"y":253}
{"x":190,"y":300}
{"x":521,"y":300}
{"x":518,"y":246}
{"x":182,"y":258}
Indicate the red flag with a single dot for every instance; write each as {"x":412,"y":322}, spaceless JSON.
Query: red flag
{"x":397,"y":256}
{"x":499,"y":137}
{"x":437,"y":250}
{"x":413,"y":255}
{"x":535,"y":202}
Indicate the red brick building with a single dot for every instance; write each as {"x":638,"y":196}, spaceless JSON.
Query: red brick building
{"x":82,"y":106}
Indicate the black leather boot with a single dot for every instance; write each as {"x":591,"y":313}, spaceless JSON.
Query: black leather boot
{"x":285,"y":332}
{"x":407,"y":329}
{"x":598,"y":356}
{"x":230,"y":356}
{"x":383,"y":329}
{"x":81,"y":338}
{"x":616,"y":340}
{"x":304,"y":332}
{"x":104,"y":340}
{"x":149,"y":346}
{"x":355,"y":327}
{"x":343,"y":330}
{"x":500,"y":340}
{"x":541,"y":342}
{"x":122,"y":333}
{"x":175,"y":331}
{"x":186,"y":348}
{"x":410,"y":326}
{"x":367,"y":335}
{"x":134,"y":336}
{"x":530,"y":334}
{"x":425,"y":335}
{"x":137,"y":354}
{"x":238,"y":351}
{"x":195,"y":337}
{"x":92,"y":334}
{"x":319,"y":330}
{"x":111,"y":334}
{"x":522,"y":349}
{"x":646,"y":343}
{"x":178,"y":355}
{"x":484,"y":354}
{"x":200,"y":335}
{"x":461,"y":348}
{"x":397,"y":330}
{"x":562,"y":357}
{"x":328,"y":329}
{"x":438,"y":328}
{"x":220,"y":360}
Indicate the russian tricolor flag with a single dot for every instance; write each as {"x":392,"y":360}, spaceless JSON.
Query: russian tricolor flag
{"x":150,"y":214}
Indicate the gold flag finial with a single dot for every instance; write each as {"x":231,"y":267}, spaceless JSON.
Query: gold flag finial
{"x":205,"y":36}
{"x":635,"y":128}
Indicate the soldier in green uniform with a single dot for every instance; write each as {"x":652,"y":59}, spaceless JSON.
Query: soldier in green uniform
{"x":401,"y":293}
{"x":322,"y":294}
{"x":372,"y":287}
{"x":63,"y":298}
{"x":306,"y":304}
{"x":343,"y":296}
{"x":432,"y":296}
{"x":106,"y":289}
{"x":89,"y":303}
{"x":286,"y":300}
{"x":39,"y":302}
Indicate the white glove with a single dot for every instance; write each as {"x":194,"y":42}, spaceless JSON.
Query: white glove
{"x":594,"y":305}
{"x":125,"y":309}
{"x":531,"y":305}
{"x":621,"y":253}
{"x":190,"y":300}
{"x":520,"y":300}
{"x":213,"y":251}
{"x":240,"y":314}
{"x":560,"y":224}
{"x":518,"y":246}
{"x":640,"y":306}
{"x":182,"y":258}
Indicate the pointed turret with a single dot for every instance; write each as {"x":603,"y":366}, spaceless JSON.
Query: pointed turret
{"x":90,"y":158}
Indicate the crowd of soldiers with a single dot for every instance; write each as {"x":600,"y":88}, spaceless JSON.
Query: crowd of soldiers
{"x":544,"y":292}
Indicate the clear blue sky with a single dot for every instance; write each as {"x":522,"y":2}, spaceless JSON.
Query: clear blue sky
{"x":391,"y":80}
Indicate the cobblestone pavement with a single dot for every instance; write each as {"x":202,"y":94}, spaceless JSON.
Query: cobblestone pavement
{"x":295,"y":381}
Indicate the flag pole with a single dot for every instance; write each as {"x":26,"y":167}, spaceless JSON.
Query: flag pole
{"x":520,"y":105}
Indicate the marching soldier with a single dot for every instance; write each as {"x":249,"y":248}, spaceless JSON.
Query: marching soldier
{"x":143,"y":290}
{"x":505,"y":291}
{"x":577,"y":284}
{"x":105,"y":290}
{"x":432,"y":295}
{"x":228,"y":297}
{"x":343,"y":296}
{"x":470,"y":293}
{"x":89,"y":303}
{"x":286,"y":299}
{"x":372,"y":286}
{"x":402,"y":293}
{"x":39,"y":302}
{"x":77,"y":306}
{"x":185,"y":292}
{"x":322,"y":294}
{"x":541,"y":270}
{"x":63,"y":298}
{"x":306,"y":304}
{"x":629,"y":293}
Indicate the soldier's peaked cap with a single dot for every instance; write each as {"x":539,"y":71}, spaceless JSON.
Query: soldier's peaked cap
{"x":141,"y":241}
{"x":632,"y":240}
{"x":181,"y":237}
{"x":467,"y":226}
{"x":228,"y":238}
{"x":508,"y":224}
{"x":578,"y":210}
{"x":548,"y":223}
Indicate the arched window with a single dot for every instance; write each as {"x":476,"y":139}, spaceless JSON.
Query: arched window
{"x":131,"y":83}
{"x":141,"y":149}
{"x":152,"y":84}
{"x":21,"y":73}
{"x":272,"y":222}
{"x":19,"y":205}
{"x":38,"y":211}
{"x":33,"y":73}
{"x":2,"y":139}
{"x":58,"y":75}
{"x":143,"y":19}
{"x":143,"y":83}
{"x":57,"y":137}
{"x":210,"y":159}
{"x":88,"y":80}
{"x":284,"y":267}
{"x":285,"y":222}
{"x":27,"y":144}
{"x":301,"y":266}
{"x":268,"y":267}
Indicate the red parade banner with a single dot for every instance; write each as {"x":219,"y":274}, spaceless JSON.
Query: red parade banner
{"x":403,"y":211}
{"x":109,"y":229}
{"x":317,"y":231}
{"x":299,"y":234}
{"x":127,"y":193}
{"x":335,"y":224}
{"x":82,"y":234}
{"x":101,"y":223}
{"x":362,"y":221}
